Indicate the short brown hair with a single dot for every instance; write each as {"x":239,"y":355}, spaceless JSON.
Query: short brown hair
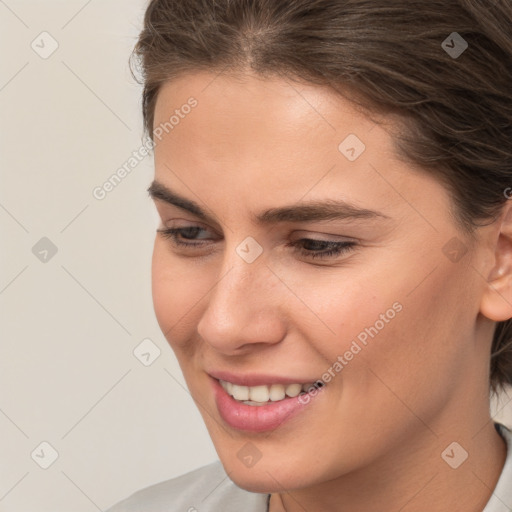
{"x":456,"y":110}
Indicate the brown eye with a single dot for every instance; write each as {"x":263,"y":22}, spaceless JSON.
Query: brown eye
{"x":311,"y":248}
{"x":178,"y":235}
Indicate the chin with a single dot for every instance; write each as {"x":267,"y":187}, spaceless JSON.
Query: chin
{"x":259,"y":482}
{"x":264,"y":479}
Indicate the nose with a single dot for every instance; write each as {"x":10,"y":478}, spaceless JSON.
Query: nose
{"x":244,"y":307}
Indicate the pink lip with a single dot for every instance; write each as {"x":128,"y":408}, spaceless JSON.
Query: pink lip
{"x":257,"y":418}
{"x":258,"y":379}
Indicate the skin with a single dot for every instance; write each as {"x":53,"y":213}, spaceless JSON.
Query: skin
{"x":373,"y":439}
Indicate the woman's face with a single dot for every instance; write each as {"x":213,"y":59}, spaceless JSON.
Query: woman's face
{"x":282,"y":177}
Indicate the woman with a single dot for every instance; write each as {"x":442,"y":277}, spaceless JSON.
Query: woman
{"x":333,"y":267}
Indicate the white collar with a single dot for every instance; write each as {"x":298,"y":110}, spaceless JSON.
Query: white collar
{"x":501,"y":499}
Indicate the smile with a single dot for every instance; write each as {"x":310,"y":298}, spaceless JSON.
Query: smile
{"x":265,"y":406}
{"x":261,"y":395}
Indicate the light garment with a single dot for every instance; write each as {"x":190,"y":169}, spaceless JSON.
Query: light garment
{"x":208,"y":489}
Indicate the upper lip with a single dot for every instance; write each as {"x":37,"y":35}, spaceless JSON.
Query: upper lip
{"x":257,"y":379}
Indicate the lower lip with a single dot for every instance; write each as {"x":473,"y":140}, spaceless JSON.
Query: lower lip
{"x":258,"y":418}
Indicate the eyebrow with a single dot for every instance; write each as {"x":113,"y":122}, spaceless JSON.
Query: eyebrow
{"x":304,"y":212}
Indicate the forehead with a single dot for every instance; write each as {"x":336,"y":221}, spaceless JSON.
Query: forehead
{"x":281,"y":141}
{"x":244,"y":105}
{"x":245,"y":121}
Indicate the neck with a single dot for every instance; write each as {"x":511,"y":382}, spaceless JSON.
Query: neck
{"x":414,"y":477}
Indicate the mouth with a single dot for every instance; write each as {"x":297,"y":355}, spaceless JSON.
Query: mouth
{"x":263,"y":407}
{"x":265,"y":393}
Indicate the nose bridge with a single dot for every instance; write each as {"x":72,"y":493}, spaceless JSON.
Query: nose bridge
{"x":239,"y":288}
{"x":244,"y":266}
{"x":241,"y":306}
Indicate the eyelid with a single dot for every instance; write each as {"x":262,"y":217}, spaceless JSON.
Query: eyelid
{"x":177,"y":224}
{"x":322,"y":237}
{"x":296,"y":235}
{"x":334,"y":251}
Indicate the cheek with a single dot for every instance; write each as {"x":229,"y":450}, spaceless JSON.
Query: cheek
{"x":176,"y":294}
{"x":344,"y":306}
{"x":412,"y":337}
{"x":423,"y":351}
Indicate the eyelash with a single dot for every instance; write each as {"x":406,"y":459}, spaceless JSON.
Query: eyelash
{"x":335,"y":248}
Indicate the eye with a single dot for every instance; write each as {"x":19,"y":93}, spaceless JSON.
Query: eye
{"x":312,"y":248}
{"x":177,"y":235}
{"x":306,"y":247}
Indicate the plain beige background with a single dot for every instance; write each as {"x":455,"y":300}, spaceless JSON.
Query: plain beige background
{"x":69,"y":326}
{"x":72,"y":319}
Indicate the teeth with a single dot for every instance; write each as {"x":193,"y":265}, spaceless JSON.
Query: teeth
{"x":256,"y":393}
{"x":277,"y":392}
{"x":259,"y":395}
{"x":293,"y":389}
{"x":240,"y":392}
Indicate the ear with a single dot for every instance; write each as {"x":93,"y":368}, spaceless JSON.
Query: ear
{"x":496,"y":303}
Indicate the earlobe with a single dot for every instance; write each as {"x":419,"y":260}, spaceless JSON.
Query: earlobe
{"x":496,"y":301}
